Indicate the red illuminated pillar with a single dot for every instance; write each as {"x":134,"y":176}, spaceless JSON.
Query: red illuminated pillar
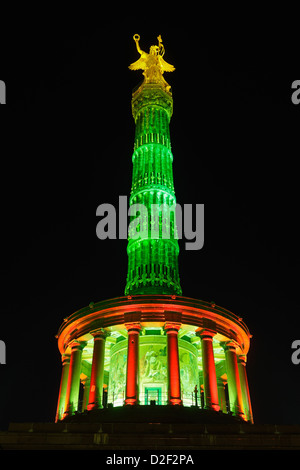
{"x":233,"y":378}
{"x":72,"y":394}
{"x":172,"y":329}
{"x":209,"y":370}
{"x":132,"y":363}
{"x":245,"y":388}
{"x":97,"y":374}
{"x":63,"y":386}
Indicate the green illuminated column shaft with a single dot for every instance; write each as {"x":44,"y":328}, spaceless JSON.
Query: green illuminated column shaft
{"x":153,"y":255}
{"x":63,"y":386}
{"x":245,"y":388}
{"x":234,"y":384}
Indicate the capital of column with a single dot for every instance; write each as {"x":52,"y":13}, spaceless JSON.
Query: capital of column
{"x":172,"y":327}
{"x":65,"y":359}
{"x":205,"y":333}
{"x":242,"y":359}
{"x":229,"y":346}
{"x":77,"y":345}
{"x":133,"y":327}
{"x":100,"y":333}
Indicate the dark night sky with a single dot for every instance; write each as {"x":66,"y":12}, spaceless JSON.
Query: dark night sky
{"x":66,"y":146}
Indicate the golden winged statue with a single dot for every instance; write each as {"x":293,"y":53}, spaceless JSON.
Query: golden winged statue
{"x":152,"y":64}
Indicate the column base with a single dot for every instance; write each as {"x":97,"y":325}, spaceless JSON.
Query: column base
{"x":175,"y":401}
{"x":66,"y":414}
{"x":94,"y":406}
{"x":131,"y":402}
{"x":213,"y":407}
{"x":241,"y":416}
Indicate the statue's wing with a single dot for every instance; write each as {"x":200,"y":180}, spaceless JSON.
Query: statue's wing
{"x":165,"y":66}
{"x":139,"y":64}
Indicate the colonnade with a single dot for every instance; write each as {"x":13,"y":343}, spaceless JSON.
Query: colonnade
{"x":214,"y":388}
{"x":68,"y":398}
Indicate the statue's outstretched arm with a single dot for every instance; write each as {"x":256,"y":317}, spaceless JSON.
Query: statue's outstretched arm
{"x":136,"y":38}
